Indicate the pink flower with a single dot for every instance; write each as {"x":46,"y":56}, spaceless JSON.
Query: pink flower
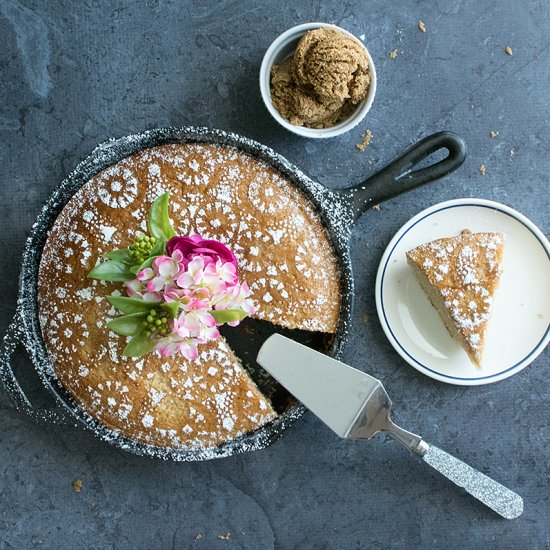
{"x":188,"y":331}
{"x":211,"y":251}
{"x":192,"y":274}
{"x":163,"y":272}
{"x":136,"y":289}
{"x":174,"y":343}
{"x":174,"y":294}
{"x":179,"y":340}
{"x":196,"y":300}
{"x":214,"y":277}
{"x":227,"y":272}
{"x":235,"y":297}
{"x":200,"y":276}
{"x":199,"y":324}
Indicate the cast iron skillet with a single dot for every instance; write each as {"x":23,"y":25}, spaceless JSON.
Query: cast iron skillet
{"x":339,"y":210}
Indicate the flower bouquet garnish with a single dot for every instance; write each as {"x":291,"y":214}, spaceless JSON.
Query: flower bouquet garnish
{"x":179,"y":289}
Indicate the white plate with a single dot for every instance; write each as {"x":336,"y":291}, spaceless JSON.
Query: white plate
{"x":520,"y":324}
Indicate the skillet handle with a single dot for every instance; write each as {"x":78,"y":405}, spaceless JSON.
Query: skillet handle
{"x":10,"y":342}
{"x":399,"y":177}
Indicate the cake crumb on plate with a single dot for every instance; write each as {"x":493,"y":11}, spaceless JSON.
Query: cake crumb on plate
{"x":393,"y":54}
{"x":493,"y":133}
{"x":227,"y":536}
{"x":422,"y":26}
{"x":508,"y":50}
{"x":77,"y":485}
{"x":482,"y":169}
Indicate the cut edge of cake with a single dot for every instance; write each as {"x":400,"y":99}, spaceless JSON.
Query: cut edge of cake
{"x":460,"y":275}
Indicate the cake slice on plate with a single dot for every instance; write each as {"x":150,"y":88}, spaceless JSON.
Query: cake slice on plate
{"x":460,"y":275}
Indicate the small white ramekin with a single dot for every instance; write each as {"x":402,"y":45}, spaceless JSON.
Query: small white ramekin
{"x":281,"y":49}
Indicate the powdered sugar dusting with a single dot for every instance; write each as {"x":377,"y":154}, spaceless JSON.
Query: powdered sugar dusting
{"x":117,"y":196}
{"x":223,"y":198}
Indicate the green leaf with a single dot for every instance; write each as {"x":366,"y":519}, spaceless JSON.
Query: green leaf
{"x":128,"y":325}
{"x":228,"y":315}
{"x":140,"y":344}
{"x":122,"y":255}
{"x":159,"y":249}
{"x":160,"y":225}
{"x":131,"y":305}
{"x":171,"y":308}
{"x":111,"y":270}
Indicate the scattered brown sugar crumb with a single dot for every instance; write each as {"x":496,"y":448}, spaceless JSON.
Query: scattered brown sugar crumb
{"x":376,"y":207}
{"x":198,"y":537}
{"x":367,"y":136}
{"x":508,"y":50}
{"x":422,"y":26}
{"x":393,"y":54}
{"x":482,"y":169}
{"x":493,"y":133}
{"x":77,"y":485}
{"x":227,"y":536}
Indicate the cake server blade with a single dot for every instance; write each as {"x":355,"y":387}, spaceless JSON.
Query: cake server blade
{"x":355,"y":405}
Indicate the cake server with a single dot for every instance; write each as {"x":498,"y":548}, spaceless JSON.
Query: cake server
{"x":356,"y":406}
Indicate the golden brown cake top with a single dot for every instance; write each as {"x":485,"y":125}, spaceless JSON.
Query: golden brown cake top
{"x":469,"y":258}
{"x":283,"y":254}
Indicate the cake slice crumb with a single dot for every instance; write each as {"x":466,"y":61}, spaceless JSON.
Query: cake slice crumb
{"x":77,"y":485}
{"x":422,"y":26}
{"x":366,"y":139}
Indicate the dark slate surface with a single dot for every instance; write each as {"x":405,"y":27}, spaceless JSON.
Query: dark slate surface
{"x":76,"y":73}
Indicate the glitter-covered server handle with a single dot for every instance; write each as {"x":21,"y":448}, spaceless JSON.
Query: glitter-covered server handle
{"x":494,"y":495}
{"x":11,"y":341}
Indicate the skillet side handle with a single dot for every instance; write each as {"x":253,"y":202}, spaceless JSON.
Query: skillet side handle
{"x":8,"y":379}
{"x":398,"y":176}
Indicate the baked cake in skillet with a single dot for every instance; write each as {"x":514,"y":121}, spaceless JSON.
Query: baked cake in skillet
{"x":283,"y":253}
{"x":460,"y":275}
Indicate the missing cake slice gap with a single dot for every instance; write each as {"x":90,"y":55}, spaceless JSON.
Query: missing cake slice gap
{"x":460,"y":276}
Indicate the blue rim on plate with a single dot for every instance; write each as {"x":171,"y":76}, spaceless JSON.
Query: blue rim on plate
{"x":380,"y":280}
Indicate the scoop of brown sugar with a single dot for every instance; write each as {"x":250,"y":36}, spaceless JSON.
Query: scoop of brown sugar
{"x":323,"y":81}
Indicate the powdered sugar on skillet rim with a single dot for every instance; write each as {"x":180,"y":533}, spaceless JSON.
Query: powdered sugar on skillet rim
{"x":330,"y":206}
